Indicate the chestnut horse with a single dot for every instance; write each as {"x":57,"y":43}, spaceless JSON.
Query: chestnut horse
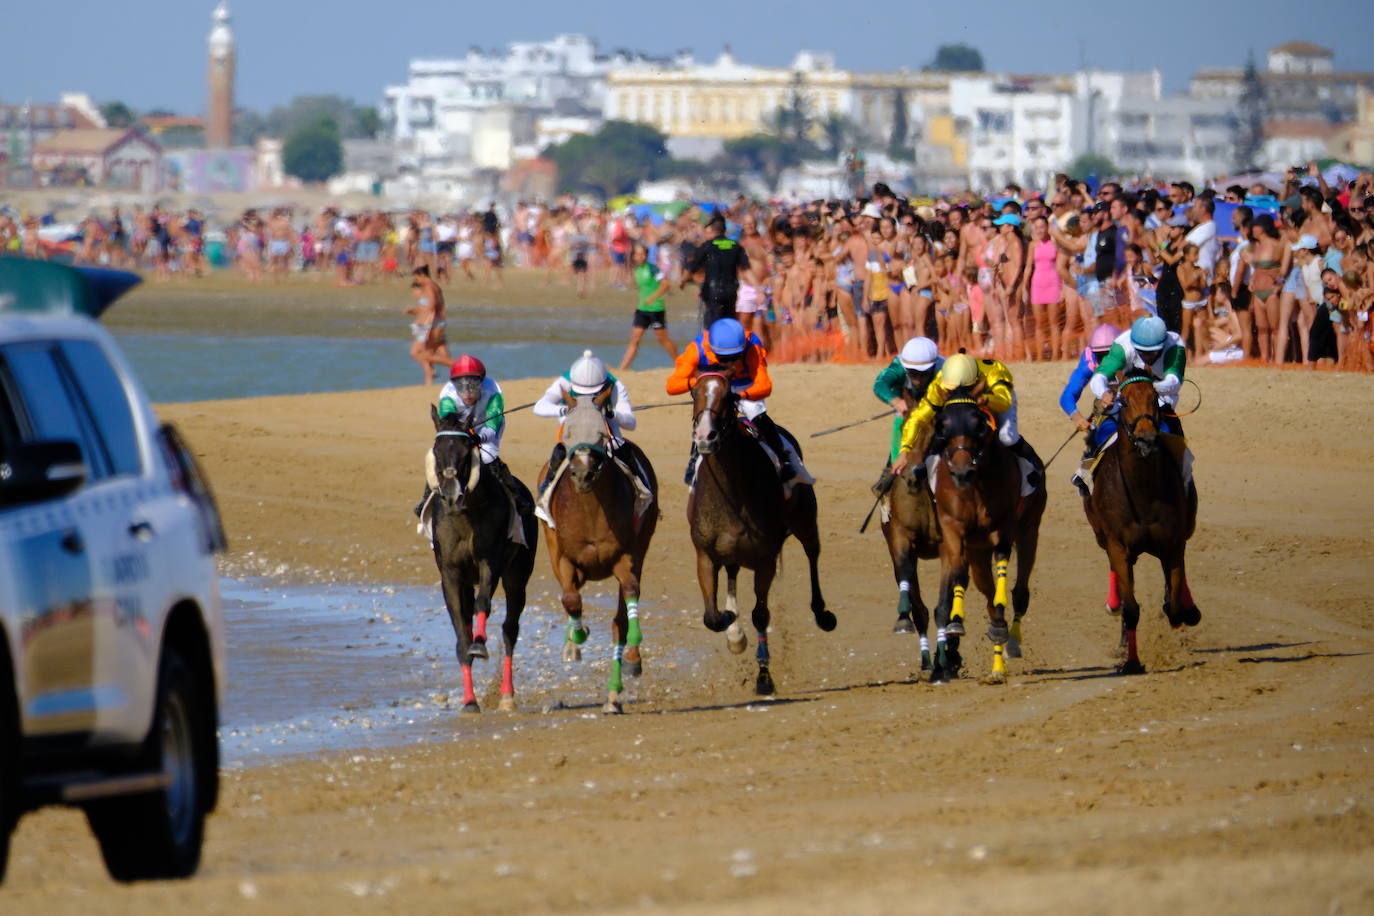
{"x":912,"y":532}
{"x":473,"y":550}
{"x":739,"y":516}
{"x":596,"y":534}
{"x":1139,"y":504}
{"x":982,"y":517}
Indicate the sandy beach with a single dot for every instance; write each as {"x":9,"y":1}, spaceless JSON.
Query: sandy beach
{"x":1236,"y":776}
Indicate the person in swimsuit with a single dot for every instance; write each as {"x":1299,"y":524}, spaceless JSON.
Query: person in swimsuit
{"x":428,"y":345}
{"x":1269,"y":260}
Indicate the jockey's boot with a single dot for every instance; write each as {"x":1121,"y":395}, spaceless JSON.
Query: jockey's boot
{"x":1022,"y":449}
{"x":523,"y":504}
{"x":691,"y":466}
{"x":885,"y":481}
{"x":560,"y":451}
{"x":420,"y":506}
{"x":769,"y":431}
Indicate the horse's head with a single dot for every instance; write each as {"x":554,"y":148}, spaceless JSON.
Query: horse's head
{"x":457,"y":463}
{"x":1140,"y":414}
{"x":587,"y":438}
{"x":963,"y":432}
{"x":713,"y":409}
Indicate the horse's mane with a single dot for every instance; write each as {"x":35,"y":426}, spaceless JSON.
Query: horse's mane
{"x":450,"y":423}
{"x":961,"y":394}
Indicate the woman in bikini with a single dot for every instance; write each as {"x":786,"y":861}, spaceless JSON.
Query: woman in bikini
{"x":1269,"y":261}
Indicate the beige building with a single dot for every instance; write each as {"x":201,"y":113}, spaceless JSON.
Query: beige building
{"x":725,"y":99}
{"x":1354,"y":141}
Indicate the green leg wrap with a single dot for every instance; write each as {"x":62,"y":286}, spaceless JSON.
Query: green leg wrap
{"x":632,"y":635}
{"x":576,"y":632}
{"x":614,"y":684}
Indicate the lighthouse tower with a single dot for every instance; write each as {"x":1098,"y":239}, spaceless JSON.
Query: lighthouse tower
{"x":219,"y":127}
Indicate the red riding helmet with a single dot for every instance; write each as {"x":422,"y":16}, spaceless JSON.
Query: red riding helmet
{"x":466,"y":365}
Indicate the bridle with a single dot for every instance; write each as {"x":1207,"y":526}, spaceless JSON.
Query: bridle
{"x":719,"y":411}
{"x":474,"y":460}
{"x":949,"y":451}
{"x":1152,"y":416}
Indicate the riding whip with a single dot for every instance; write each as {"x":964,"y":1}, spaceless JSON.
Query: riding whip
{"x":869,"y":517}
{"x":879,"y":416}
{"x":1060,"y":449}
{"x":639,"y":407}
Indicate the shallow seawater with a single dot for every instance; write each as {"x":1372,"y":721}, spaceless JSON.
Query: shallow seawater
{"x":330,"y":668}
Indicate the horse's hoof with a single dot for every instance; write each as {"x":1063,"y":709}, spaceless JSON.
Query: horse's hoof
{"x":1191,"y":617}
{"x":925,"y":660}
{"x":613,"y":706}
{"x":723,"y":620}
{"x":904,"y":624}
{"x":939,"y":676}
{"x":1130,"y":666}
{"x":735,"y":639}
{"x":471,"y":707}
{"x":572,"y":652}
{"x":507,"y":703}
{"x":1012,"y":648}
{"x":826,"y":620}
{"x":632,"y":668}
{"x":994,"y":680}
{"x":955,"y":627}
{"x":1114,"y":611}
{"x":998,"y":634}
{"x":764,"y":685}
{"x":579,"y":635}
{"x":477,"y":650}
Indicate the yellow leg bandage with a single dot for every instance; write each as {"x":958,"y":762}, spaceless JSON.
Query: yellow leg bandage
{"x":998,"y":665}
{"x":957,"y":607}
{"x":1016,"y":630}
{"x":1000,"y":595}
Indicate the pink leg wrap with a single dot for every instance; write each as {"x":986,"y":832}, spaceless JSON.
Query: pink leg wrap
{"x":1130,"y":646}
{"x":1113,"y":592}
{"x":468,"y":695}
{"x":479,"y":629}
{"x":507,"y":677}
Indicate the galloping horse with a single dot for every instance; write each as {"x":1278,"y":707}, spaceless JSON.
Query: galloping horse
{"x":739,"y":516}
{"x":473,"y":550}
{"x":912,"y":532}
{"x":597,"y":534}
{"x":982,"y":516}
{"x":1139,"y":504}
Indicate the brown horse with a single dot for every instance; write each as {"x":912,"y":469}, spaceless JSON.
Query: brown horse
{"x":473,"y":550}
{"x":739,"y":516}
{"x":1139,"y":504}
{"x":982,"y":517}
{"x":596,"y":535}
{"x":912,"y":532}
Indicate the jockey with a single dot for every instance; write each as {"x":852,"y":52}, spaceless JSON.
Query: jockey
{"x":587,"y":378}
{"x":477,"y":401}
{"x":902,"y":385}
{"x":998,"y":396}
{"x":1148,"y":345}
{"x":1092,"y":356}
{"x":725,"y":346}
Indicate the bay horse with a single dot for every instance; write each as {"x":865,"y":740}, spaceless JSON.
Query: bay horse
{"x":1139,"y":504}
{"x":473,"y":550}
{"x":912,"y":532}
{"x":596,"y":534}
{"x":982,"y":517}
{"x":739,"y":517}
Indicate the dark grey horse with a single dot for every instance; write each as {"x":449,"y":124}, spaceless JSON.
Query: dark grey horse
{"x":473,"y":550}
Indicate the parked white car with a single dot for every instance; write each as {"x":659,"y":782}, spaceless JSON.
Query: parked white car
{"x":111,"y":636}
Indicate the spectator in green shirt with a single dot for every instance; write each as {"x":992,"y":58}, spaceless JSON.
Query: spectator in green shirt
{"x":652,"y":286}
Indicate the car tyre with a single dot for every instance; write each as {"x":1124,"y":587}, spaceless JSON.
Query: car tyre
{"x":159,"y":834}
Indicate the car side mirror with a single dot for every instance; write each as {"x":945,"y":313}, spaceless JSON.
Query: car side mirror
{"x":35,"y":471}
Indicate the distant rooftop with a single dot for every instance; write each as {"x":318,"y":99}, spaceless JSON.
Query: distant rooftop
{"x":1302,"y":49}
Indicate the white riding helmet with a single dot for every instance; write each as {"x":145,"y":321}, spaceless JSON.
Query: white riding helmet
{"x":588,"y":374}
{"x":919,"y":353}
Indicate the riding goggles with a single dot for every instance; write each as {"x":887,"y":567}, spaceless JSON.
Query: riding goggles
{"x":468,"y":384}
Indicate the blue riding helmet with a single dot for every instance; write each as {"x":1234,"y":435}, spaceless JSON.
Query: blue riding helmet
{"x":727,"y":337}
{"x":1149,"y":333}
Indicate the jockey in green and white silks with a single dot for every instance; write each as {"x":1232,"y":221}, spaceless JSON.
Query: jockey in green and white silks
{"x":1151,"y":347}
{"x":484,"y":414}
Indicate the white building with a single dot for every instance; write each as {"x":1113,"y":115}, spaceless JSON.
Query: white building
{"x":439,"y":110}
{"x":1021,"y":131}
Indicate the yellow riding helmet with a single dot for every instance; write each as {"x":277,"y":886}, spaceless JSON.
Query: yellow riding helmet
{"x":959,"y":370}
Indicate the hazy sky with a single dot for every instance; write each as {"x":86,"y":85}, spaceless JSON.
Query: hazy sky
{"x":151,"y":53}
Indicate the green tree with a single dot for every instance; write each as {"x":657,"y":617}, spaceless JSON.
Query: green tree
{"x":352,"y":120}
{"x":369,"y":122}
{"x":899,"y":143}
{"x":1252,"y":111}
{"x":838,"y":133}
{"x":958,"y":58}
{"x":117,"y":114}
{"x":612,"y":161}
{"x":766,"y":154}
{"x":314,"y":151}
{"x":1090,"y":164}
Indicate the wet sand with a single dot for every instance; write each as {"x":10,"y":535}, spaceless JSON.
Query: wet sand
{"x":1235,"y":776}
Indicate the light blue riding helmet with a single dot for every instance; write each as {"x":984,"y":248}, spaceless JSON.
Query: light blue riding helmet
{"x":727,"y":337}
{"x":1149,"y":333}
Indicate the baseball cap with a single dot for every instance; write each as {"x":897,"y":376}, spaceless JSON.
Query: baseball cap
{"x":1007,"y":219}
{"x":873,"y":210}
{"x":1306,"y":242}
